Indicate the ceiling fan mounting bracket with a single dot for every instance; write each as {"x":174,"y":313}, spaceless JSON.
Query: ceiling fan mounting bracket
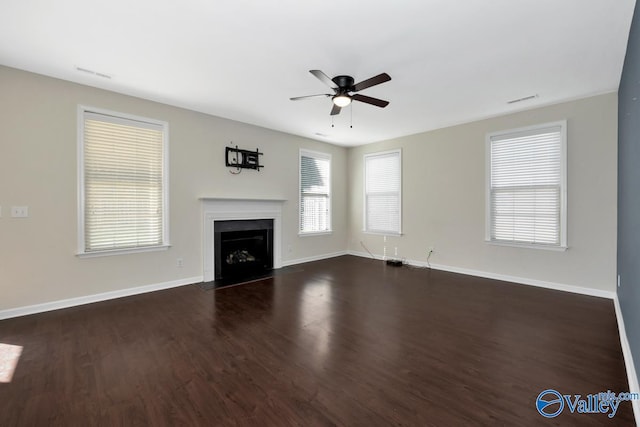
{"x":344,"y":82}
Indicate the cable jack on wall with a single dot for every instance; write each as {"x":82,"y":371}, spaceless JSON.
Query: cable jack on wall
{"x":429,"y":256}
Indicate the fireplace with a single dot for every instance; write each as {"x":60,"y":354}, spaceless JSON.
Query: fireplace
{"x":243,"y":248}
{"x":219,"y":209}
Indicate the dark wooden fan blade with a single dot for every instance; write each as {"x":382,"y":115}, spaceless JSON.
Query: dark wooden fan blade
{"x":298,"y":98}
{"x":335,"y":110}
{"x":369,"y":100}
{"x":324,"y":78}
{"x":380,"y":78}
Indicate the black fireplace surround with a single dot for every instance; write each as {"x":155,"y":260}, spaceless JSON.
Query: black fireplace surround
{"x":242,"y":248}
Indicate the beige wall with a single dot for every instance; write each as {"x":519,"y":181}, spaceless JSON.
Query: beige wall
{"x":38,"y":142}
{"x":444,"y":198}
{"x":443,"y":194}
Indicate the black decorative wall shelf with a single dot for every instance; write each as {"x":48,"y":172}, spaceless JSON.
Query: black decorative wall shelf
{"x":242,"y":159}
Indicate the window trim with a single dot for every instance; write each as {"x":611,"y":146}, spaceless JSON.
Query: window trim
{"x":81,"y":249}
{"x":317,"y":155}
{"x":562,"y":246}
{"x":364,"y":194}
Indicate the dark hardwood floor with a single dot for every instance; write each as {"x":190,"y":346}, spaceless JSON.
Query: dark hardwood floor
{"x":346,"y":341}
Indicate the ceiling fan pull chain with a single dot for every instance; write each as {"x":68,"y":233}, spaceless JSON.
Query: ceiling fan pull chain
{"x":351,"y":111}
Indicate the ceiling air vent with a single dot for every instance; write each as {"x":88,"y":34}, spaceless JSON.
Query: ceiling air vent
{"x":526,"y":98}
{"x":93,"y":73}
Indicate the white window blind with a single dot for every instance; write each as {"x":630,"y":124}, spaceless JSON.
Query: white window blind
{"x":527,"y":186}
{"x":383,"y":192}
{"x":123,"y":183}
{"x":315,"y":190}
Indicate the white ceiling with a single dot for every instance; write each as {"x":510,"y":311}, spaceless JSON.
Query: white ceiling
{"x":450,"y":61}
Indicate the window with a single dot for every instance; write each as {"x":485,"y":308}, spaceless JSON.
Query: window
{"x":526,"y":189}
{"x":122,"y":182}
{"x":382,"y":191}
{"x":315,"y":192}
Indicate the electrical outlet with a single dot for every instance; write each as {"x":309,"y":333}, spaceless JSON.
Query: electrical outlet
{"x":180,"y":262}
{"x":19,"y":211}
{"x":619,"y":280}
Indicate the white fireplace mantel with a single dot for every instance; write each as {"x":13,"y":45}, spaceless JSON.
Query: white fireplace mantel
{"x":224,"y":209}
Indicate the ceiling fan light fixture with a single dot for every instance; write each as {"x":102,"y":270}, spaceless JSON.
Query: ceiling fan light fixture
{"x":342,"y":100}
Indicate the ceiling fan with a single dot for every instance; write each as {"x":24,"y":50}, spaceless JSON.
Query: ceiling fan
{"x":343,"y":86}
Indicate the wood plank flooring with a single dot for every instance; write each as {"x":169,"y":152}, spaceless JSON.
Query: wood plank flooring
{"x":346,"y":341}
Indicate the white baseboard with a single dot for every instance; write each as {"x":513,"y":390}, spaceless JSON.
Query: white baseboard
{"x":628,"y":360}
{"x":365,"y":255}
{"x":88,"y":299}
{"x":313,"y":258}
{"x":502,"y":277}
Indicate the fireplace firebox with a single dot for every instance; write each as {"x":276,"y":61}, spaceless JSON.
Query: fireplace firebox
{"x":243,"y":248}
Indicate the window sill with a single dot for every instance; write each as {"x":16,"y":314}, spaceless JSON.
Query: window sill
{"x":383,"y":233}
{"x":528,"y":246}
{"x":122,"y":251}
{"x":315,"y":233}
